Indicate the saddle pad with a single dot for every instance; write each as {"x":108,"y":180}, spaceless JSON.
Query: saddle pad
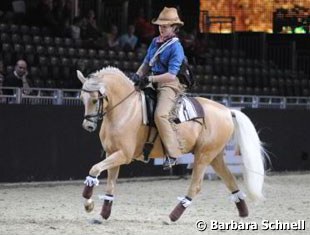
{"x":188,"y":108}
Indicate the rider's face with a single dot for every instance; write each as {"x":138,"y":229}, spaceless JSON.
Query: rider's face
{"x":166,"y":30}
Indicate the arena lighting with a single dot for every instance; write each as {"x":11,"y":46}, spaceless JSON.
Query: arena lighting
{"x":300,"y":30}
{"x":253,"y":16}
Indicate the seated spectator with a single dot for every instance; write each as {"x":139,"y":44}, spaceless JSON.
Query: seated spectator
{"x":75,"y":28}
{"x":188,"y":41}
{"x":113,"y":38}
{"x":144,"y":29}
{"x":1,"y":80}
{"x":89,"y":27}
{"x":90,"y":32}
{"x":128,"y":41}
{"x":17,"y":78}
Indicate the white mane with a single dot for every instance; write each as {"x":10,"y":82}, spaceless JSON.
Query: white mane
{"x":95,"y":81}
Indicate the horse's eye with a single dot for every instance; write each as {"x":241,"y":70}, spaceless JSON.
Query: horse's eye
{"x":95,"y":101}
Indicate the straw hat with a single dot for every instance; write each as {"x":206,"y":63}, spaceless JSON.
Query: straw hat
{"x":168,"y":16}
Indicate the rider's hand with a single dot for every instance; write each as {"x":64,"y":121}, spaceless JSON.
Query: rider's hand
{"x":143,"y":83}
{"x":135,"y":78}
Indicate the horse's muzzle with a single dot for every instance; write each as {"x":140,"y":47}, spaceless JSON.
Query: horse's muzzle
{"x":89,"y":126}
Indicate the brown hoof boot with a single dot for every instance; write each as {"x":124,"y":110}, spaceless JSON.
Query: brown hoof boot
{"x":88,"y":191}
{"x":177,"y":212}
{"x":242,"y":208}
{"x":106,"y":209}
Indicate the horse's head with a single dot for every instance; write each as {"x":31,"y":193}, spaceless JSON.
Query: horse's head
{"x":93,"y":97}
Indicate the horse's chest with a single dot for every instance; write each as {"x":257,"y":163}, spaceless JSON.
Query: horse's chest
{"x":112,"y":137}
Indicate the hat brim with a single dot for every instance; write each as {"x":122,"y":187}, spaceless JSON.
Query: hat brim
{"x":167,"y":22}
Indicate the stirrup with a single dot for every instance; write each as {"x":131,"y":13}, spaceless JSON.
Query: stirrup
{"x":169,"y":163}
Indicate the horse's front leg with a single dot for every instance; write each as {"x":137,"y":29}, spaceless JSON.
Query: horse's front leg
{"x":114,"y":160}
{"x":109,"y":196}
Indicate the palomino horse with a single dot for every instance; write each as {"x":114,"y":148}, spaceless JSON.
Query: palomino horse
{"x":108,"y":93}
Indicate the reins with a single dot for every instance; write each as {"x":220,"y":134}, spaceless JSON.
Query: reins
{"x":100,"y":114}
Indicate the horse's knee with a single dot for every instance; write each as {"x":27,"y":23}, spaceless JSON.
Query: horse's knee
{"x":95,"y":170}
{"x":198,"y":189}
{"x":193,"y":191}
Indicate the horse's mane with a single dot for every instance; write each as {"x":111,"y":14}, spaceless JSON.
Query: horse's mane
{"x":95,"y":80}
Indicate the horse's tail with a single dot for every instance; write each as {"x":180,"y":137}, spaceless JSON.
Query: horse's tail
{"x":252,"y":153}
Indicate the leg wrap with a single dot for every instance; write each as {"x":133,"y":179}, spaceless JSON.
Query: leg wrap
{"x":180,"y":208}
{"x":238,"y":198}
{"x":88,"y":191}
{"x":89,"y":182}
{"x":242,"y":208}
{"x":107,"y":206}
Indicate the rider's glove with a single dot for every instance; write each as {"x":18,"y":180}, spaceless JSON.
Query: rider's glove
{"x":143,"y":83}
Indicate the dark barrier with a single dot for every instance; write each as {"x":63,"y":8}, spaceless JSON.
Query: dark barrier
{"x":286,"y":135}
{"x":49,"y":143}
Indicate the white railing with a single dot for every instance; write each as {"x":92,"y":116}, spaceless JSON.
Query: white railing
{"x":43,"y":96}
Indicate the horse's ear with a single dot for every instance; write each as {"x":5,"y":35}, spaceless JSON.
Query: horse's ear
{"x":80,"y":76}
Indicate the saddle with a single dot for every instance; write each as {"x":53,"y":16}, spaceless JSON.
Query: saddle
{"x":186,"y":108}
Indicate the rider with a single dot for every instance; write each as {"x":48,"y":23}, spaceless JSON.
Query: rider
{"x":163,"y":69}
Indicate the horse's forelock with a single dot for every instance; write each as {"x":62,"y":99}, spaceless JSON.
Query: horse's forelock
{"x":92,"y":84}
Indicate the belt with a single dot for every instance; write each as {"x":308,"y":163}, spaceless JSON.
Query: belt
{"x":156,"y":73}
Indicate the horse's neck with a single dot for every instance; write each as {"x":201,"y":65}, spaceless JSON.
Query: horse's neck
{"x":117,"y":91}
{"x":121,"y":102}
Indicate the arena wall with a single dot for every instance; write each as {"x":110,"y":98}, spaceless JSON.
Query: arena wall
{"x":49,"y":143}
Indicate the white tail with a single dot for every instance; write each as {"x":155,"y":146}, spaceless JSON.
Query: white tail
{"x":252,"y":153}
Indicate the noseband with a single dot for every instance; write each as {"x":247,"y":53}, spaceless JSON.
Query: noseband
{"x":95,"y":117}
{"x":100,"y":113}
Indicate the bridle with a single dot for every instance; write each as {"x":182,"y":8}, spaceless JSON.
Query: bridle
{"x":100,"y":113}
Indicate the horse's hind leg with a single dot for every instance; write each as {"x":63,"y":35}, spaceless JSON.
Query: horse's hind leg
{"x":109,"y":196}
{"x":222,"y":170}
{"x":200,"y":164}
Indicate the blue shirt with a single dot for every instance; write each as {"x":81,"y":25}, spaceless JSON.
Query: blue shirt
{"x":170,"y":59}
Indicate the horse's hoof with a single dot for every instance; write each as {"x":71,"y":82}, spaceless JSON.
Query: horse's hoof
{"x":177,"y":212}
{"x":88,"y":191}
{"x":89,"y":205}
{"x":106,"y":209}
{"x":242,"y":208}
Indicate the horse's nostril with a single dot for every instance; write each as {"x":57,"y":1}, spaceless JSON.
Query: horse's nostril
{"x":90,"y":128}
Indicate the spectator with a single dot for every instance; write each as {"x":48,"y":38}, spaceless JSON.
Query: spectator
{"x":75,"y":28}
{"x":1,"y":79}
{"x":188,"y":41}
{"x":90,"y":30}
{"x":17,"y":78}
{"x":144,"y":30}
{"x":113,"y":38}
{"x":128,"y":41}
